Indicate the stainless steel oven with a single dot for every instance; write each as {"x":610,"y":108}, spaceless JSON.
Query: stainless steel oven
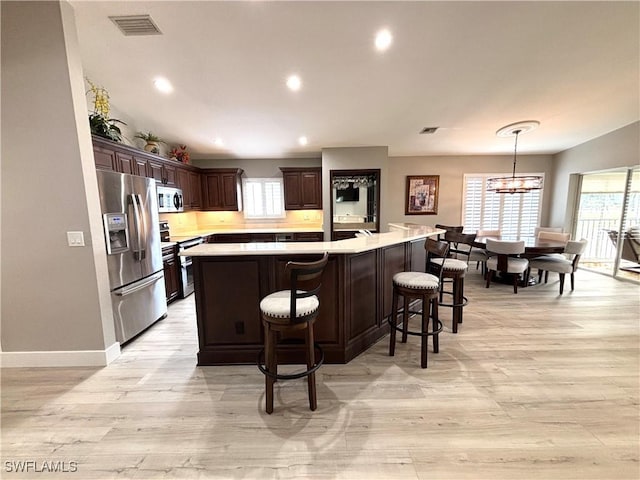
{"x":186,"y":265}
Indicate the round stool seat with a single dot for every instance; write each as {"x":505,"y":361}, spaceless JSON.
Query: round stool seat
{"x":416,"y":280}
{"x":278,"y":305}
{"x":454,"y":271}
{"x":451,"y":265}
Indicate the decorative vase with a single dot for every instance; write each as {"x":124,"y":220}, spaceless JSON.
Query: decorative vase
{"x":152,"y":147}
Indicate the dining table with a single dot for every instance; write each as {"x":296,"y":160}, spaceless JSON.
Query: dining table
{"x":533,"y":247}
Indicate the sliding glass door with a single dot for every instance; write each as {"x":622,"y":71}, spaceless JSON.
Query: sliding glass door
{"x":608,"y":217}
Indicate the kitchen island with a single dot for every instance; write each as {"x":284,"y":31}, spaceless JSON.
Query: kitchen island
{"x":231,"y":279}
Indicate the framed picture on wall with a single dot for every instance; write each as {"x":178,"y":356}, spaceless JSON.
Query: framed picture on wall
{"x":422,"y":195}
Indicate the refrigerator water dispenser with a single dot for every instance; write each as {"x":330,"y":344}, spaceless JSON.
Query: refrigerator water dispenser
{"x":116,"y":232}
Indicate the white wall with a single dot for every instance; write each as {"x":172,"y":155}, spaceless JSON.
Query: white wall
{"x":55,"y":298}
{"x":451,"y":170}
{"x":620,"y":148}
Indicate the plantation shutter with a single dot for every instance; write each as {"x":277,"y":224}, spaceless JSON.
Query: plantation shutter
{"x":515,"y":215}
{"x":263,"y":198}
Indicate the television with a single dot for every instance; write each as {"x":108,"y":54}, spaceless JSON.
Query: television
{"x":349,"y":194}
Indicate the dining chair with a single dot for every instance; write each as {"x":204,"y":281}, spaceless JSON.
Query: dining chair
{"x":537,"y":230}
{"x":562,"y":264}
{"x":449,"y":228}
{"x":556,"y":236}
{"x":479,"y":255}
{"x":503,"y":258}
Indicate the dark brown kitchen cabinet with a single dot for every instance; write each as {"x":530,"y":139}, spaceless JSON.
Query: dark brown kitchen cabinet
{"x":230,"y":238}
{"x":308,"y":237}
{"x":189,"y":181}
{"x":109,"y":155}
{"x":344,"y":234}
{"x":195,"y":185}
{"x":104,"y":158}
{"x":221,"y":189}
{"x":126,"y":164}
{"x":171,"y":272}
{"x":302,"y":188}
{"x":162,"y":172}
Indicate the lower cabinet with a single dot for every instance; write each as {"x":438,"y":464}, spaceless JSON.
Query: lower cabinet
{"x":308,"y":237}
{"x":264,"y":237}
{"x":344,"y":234}
{"x":171,"y":272}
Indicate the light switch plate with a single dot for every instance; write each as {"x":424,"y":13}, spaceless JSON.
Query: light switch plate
{"x":75,"y":239}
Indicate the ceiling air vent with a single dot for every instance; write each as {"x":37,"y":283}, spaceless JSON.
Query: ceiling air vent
{"x":428,"y":130}
{"x":136,"y":25}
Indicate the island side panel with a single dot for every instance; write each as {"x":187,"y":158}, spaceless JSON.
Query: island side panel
{"x":393,"y":260}
{"x":362,"y":309}
{"x":355,"y":301}
{"x":328,"y":328}
{"x":228,"y":293}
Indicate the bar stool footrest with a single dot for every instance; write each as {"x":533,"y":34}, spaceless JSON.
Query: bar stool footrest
{"x":464,"y":303}
{"x":291,"y":376}
{"x":429,"y":333}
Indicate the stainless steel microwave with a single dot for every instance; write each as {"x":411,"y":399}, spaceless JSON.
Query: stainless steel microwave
{"x":169,"y":199}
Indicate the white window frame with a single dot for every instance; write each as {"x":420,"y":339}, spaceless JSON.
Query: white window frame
{"x":264,"y":206}
{"x":483,"y":210}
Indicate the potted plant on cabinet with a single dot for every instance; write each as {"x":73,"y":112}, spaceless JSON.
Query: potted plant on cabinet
{"x":180,"y":153}
{"x":152,"y":141}
{"x":99,"y":121}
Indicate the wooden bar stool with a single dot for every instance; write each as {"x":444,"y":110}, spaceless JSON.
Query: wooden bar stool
{"x":418,"y":286}
{"x":453,"y":271}
{"x":289,"y":311}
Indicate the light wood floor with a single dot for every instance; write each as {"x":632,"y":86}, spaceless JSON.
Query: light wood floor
{"x":534,"y":386}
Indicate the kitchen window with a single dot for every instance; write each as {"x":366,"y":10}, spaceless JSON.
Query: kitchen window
{"x":514,"y":214}
{"x":263,"y":198}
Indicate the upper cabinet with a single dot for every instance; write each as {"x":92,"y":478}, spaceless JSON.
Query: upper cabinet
{"x":121,"y":158}
{"x":188,"y":180}
{"x":302,"y":188}
{"x":162,"y":172}
{"x":221,"y":189}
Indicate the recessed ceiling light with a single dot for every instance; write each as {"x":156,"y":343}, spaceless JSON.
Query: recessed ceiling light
{"x":303,"y":141}
{"x":383,"y":39}
{"x":294,"y":83}
{"x":218,"y":141}
{"x":163,"y":85}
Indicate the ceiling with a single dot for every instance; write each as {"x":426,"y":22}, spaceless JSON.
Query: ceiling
{"x":468,"y":68}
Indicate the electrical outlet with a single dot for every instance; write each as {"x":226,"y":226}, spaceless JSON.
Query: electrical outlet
{"x":75,"y":239}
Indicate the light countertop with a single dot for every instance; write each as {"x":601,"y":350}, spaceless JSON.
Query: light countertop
{"x":351,"y":245}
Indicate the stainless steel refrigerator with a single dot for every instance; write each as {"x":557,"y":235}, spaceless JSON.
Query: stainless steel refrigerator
{"x":134,"y":256}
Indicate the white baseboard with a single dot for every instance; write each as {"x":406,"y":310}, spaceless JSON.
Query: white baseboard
{"x":72,"y":358}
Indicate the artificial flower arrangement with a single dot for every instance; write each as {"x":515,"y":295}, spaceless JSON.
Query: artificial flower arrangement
{"x":180,"y":153}
{"x":99,"y":120}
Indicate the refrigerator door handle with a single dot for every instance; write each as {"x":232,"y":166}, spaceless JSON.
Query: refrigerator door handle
{"x":143,"y":222}
{"x":138,"y":252}
{"x":123,"y":292}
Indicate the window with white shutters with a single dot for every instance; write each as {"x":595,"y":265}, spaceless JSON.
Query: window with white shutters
{"x":263,"y":197}
{"x":514,"y":214}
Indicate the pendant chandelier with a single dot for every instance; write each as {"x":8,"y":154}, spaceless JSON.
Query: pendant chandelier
{"x":515,"y":184}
